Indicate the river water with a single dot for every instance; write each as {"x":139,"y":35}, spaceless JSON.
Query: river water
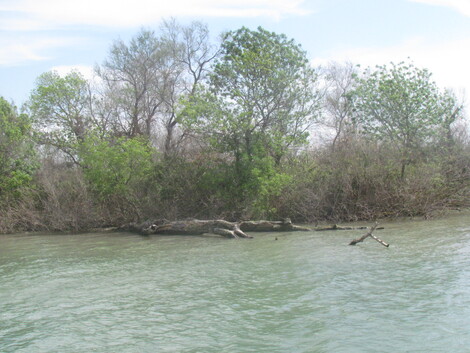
{"x":304,"y":292}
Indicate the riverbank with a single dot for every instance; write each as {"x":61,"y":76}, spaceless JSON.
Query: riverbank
{"x":319,"y":226}
{"x":356,"y":181}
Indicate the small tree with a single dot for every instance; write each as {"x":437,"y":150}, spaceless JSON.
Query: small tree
{"x":402,"y":105}
{"x":60,"y":108}
{"x":17,"y":161}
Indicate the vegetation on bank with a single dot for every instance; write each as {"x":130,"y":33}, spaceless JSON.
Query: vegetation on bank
{"x":173,"y":126}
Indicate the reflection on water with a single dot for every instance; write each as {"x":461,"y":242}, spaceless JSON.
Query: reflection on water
{"x":305,"y":292}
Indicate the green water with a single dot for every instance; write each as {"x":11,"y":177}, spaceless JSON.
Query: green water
{"x":305,"y":292}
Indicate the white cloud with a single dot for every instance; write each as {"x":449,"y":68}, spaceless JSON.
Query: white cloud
{"x":462,"y":6}
{"x":17,"y":51}
{"x":85,"y":70}
{"x":448,"y":61}
{"x":16,"y":54}
{"x":34,"y":14}
{"x":22,"y":23}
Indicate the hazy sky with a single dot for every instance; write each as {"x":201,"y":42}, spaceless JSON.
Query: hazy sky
{"x":40,"y":35}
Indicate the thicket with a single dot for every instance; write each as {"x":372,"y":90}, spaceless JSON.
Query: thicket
{"x":175,"y":127}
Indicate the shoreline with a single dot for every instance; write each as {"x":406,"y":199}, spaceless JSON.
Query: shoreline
{"x":320,"y":226}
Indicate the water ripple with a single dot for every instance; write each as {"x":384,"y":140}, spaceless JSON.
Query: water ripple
{"x":308,"y":292}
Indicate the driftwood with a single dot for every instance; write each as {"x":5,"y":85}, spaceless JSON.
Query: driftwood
{"x":369,"y":234}
{"x":219,"y":227}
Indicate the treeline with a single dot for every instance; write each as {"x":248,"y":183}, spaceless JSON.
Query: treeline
{"x":174,"y":126}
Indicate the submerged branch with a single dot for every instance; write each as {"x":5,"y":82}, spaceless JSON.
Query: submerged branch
{"x":369,"y":234}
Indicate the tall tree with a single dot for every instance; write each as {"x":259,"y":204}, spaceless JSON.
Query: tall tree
{"x":400,"y":103}
{"x":260,"y":101}
{"x":262,"y":95}
{"x":146,"y":79}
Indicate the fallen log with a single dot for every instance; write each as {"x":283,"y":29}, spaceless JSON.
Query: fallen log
{"x":369,"y":234}
{"x":230,"y":229}
{"x":219,"y":227}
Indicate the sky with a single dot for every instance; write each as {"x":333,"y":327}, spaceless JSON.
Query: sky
{"x":41,"y":35}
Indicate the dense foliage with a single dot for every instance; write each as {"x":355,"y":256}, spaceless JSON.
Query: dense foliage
{"x":404,"y":107}
{"x":60,"y":107}
{"x":17,"y":161}
{"x":175,"y":127}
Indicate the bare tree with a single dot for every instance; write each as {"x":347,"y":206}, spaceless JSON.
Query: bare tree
{"x":147,"y":80}
{"x":192,"y":54}
{"x":132,"y":80}
{"x":340,"y":80}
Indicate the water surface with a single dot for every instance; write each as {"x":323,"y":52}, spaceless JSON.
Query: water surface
{"x":305,"y":292}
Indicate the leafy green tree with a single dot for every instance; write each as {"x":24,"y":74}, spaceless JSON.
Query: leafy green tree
{"x":267,"y":89}
{"x":17,"y":162}
{"x":402,"y":105}
{"x":260,"y":101}
{"x":61,"y":110}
